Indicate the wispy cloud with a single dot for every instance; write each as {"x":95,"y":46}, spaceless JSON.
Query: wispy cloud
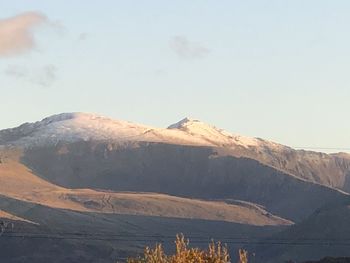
{"x":83,"y":36}
{"x":47,"y":76}
{"x":187,"y":49}
{"x":17,"y":72}
{"x":16,"y":33}
{"x":44,"y":76}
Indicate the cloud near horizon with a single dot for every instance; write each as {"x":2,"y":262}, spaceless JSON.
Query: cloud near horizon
{"x":187,"y":49}
{"x":16,"y":33}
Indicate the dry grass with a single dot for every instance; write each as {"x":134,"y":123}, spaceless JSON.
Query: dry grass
{"x":216,"y":253}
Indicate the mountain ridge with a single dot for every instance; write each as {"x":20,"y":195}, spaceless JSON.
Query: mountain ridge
{"x":332,"y":170}
{"x":85,"y":166}
{"x":185,"y":129}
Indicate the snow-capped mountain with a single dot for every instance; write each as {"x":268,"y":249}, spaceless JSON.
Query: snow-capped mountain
{"x":331,"y":170}
{"x":73,"y":166}
{"x":72,"y":127}
{"x":219,"y":137}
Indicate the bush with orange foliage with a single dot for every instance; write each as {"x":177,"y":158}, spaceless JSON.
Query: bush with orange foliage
{"x":216,"y":253}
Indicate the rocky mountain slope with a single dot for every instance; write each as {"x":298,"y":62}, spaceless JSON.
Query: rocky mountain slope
{"x":326,"y":233}
{"x":328,"y":169}
{"x":19,"y":182}
{"x":85,"y":172}
{"x":186,"y":171}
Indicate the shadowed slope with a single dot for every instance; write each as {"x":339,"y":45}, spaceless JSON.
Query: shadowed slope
{"x":328,"y":169}
{"x":71,"y":236}
{"x":17,"y":181}
{"x":187,"y":171}
{"x":325,"y":233}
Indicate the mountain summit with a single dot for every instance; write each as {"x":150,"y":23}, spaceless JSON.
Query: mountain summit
{"x":331,"y":170}
{"x":183,"y":123}
{"x":70,"y":127}
{"x":84,"y":169}
{"x":213,"y":134}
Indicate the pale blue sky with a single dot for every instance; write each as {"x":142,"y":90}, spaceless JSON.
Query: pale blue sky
{"x":271,"y":69}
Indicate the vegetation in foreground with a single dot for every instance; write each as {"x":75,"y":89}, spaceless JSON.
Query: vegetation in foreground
{"x":216,"y":253}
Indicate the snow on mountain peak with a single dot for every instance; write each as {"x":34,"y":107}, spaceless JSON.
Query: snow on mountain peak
{"x":184,"y":123}
{"x":212,"y":134}
{"x":77,"y":126}
{"x":76,"y":116}
{"x":61,"y":117}
{"x":71,"y":127}
{"x":194,"y":126}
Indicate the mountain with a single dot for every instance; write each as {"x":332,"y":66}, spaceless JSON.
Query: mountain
{"x":187,"y":177}
{"x":327,"y":169}
{"x":73,"y":127}
{"x":21,"y":183}
{"x":61,"y":235}
{"x":331,"y":170}
{"x":324,"y":234}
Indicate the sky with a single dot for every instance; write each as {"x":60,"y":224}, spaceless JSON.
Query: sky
{"x":271,"y":69}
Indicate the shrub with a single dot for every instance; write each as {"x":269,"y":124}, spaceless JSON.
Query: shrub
{"x":216,"y":253}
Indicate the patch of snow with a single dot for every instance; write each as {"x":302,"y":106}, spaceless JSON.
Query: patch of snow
{"x":72,"y":127}
{"x":213,"y":134}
